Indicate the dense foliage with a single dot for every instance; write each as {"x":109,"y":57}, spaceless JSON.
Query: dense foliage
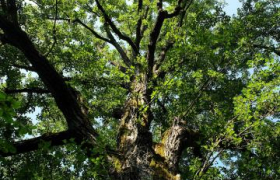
{"x":180,"y":83}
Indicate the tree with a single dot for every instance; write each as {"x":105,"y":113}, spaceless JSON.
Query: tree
{"x":139,"y":90}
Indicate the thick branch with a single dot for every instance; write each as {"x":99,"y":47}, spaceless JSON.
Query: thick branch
{"x":162,"y":15}
{"x":115,"y":29}
{"x":64,"y":95}
{"x":140,"y":5}
{"x":159,"y":5}
{"x":153,"y":41}
{"x":118,"y":47}
{"x":139,"y":24}
{"x":24,"y":146}
{"x":140,"y":29}
{"x":174,"y":141}
{"x":12,"y":11}
{"x":138,"y":32}
{"x":3,"y":5}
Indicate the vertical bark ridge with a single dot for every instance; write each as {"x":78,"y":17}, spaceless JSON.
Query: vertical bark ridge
{"x":134,"y":139}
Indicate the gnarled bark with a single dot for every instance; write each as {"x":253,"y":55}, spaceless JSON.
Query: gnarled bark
{"x":134,"y":138}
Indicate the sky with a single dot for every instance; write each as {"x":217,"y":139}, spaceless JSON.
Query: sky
{"x":232,"y":6}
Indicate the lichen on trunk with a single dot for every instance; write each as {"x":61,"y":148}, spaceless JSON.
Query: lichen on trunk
{"x":140,"y":157}
{"x":134,"y":138}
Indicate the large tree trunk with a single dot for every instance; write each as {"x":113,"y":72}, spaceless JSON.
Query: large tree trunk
{"x":141,"y":159}
{"x":134,"y":138}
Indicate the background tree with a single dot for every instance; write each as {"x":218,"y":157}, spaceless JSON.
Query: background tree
{"x":139,"y":90}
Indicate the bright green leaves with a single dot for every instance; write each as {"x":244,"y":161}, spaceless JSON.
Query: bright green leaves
{"x":7,"y":123}
{"x":257,"y":118}
{"x":7,"y":107}
{"x":261,"y":97}
{"x":221,"y":77}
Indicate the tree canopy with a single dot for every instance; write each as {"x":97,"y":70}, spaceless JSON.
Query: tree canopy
{"x":139,"y":90}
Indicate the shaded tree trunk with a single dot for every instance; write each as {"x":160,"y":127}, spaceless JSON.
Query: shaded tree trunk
{"x":141,"y":159}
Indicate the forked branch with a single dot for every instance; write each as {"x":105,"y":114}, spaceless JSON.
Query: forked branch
{"x":115,"y":29}
{"x":140,"y":29}
{"x":117,"y":46}
{"x":162,"y":15}
{"x":174,"y":141}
